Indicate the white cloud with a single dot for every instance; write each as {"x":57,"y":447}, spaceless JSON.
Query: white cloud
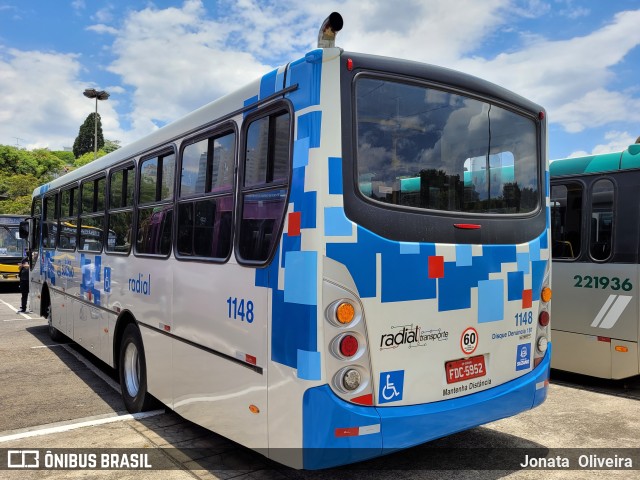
{"x":175,"y":61}
{"x":617,"y":141}
{"x":570,"y":77}
{"x":41,"y":99}
{"x":597,"y":108}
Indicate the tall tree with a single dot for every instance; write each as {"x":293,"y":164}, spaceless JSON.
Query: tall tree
{"x":84,"y":141}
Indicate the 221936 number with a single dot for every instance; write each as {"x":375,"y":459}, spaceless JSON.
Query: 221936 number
{"x":614,"y":283}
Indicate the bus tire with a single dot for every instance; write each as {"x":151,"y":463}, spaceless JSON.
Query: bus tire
{"x":133,"y":371}
{"x":55,"y":334}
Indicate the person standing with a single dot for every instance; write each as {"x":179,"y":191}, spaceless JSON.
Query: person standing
{"x":24,"y":284}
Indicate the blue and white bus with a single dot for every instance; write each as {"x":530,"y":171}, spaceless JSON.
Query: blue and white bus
{"x":346,"y":257}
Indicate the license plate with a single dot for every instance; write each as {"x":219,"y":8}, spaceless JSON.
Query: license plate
{"x":460,"y":370}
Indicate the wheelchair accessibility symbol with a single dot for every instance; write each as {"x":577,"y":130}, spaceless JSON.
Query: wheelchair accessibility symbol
{"x":390,"y":386}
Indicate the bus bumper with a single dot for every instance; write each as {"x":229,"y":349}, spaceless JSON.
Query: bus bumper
{"x":336,"y":432}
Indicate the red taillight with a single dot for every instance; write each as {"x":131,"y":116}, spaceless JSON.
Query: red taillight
{"x":349,"y":64}
{"x":348,"y":346}
{"x":543,"y":318}
{"x":467,"y":226}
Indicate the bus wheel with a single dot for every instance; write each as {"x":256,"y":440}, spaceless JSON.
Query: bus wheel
{"x":133,"y":371}
{"x":55,"y":334}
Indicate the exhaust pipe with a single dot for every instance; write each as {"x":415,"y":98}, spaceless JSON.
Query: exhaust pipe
{"x":329,"y":29}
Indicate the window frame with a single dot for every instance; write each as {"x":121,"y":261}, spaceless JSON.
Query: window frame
{"x":433,"y":226}
{"x":163,"y":151}
{"x":583,"y":214}
{"x":271,"y":110}
{"x":74,"y":217}
{"x":55,"y":220}
{"x":219,"y":131}
{"x":614,"y":211}
{"x":110,"y":210}
{"x":95,"y":213}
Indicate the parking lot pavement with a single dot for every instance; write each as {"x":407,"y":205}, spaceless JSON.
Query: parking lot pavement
{"x":57,"y":398}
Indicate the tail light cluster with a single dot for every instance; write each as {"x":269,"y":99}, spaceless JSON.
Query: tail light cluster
{"x":348,"y":364}
{"x":543,"y":335}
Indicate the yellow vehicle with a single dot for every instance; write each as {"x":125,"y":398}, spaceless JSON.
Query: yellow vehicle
{"x":12,"y":247}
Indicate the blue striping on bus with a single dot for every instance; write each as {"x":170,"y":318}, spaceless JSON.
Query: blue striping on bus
{"x":301,"y":152}
{"x":409,"y":248}
{"x":309,"y":205}
{"x":490,"y":301}
{"x":336,"y":224}
{"x":268,"y":276}
{"x":248,"y":102}
{"x":534,"y":250}
{"x":308,"y":365}
{"x":515,"y":285}
{"x":289,"y":244}
{"x":309,"y":127}
{"x":464,"y":256}
{"x":294,"y":328}
{"x":301,"y":278}
{"x":307,"y":75}
{"x":538,"y":268}
{"x":304,"y":202}
{"x":403,"y":275}
{"x":268,"y":84}
{"x":523,"y":262}
{"x":335,"y":176}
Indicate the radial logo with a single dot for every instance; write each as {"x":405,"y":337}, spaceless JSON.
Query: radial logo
{"x":611,"y":311}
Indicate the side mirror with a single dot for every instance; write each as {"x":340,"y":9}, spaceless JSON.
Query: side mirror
{"x":25,"y":228}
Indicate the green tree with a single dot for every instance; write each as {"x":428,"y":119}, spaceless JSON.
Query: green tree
{"x":21,"y":171}
{"x":84,"y":142}
{"x":87,"y":158}
{"x":66,"y":157}
{"x":111,"y":145}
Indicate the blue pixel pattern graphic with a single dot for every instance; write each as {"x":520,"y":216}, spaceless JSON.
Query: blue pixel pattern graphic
{"x":415,"y":272}
{"x":408,"y":271}
{"x":295,"y":308}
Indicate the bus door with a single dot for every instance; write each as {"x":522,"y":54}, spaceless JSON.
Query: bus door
{"x":35,"y":248}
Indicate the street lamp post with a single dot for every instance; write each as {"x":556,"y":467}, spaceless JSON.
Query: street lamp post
{"x":98,"y":95}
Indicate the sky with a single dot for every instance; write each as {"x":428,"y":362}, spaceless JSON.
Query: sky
{"x":159,"y":60}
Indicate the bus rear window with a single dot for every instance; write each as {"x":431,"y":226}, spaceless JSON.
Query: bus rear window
{"x":423,"y":148}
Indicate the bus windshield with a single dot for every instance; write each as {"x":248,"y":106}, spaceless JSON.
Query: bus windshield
{"x":10,"y":244}
{"x":424,"y":148}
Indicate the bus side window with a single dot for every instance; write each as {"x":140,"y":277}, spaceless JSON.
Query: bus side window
{"x":68,"y":219}
{"x":92,"y":200}
{"x":121,"y":187}
{"x":155,"y":199}
{"x":264,"y":186}
{"x":601,"y":219}
{"x":566,"y":223}
{"x":50,"y":224}
{"x":206,"y":197}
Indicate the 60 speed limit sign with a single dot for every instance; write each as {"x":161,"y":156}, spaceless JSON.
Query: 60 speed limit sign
{"x":469,"y":341}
